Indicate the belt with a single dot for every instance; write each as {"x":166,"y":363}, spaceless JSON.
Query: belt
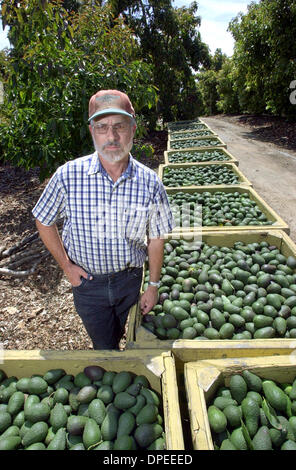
{"x":112,"y":274}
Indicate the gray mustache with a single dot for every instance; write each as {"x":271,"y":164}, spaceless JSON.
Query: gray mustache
{"x":114,"y":144}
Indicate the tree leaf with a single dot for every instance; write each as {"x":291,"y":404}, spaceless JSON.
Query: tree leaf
{"x":271,"y":415}
{"x":247,"y":435}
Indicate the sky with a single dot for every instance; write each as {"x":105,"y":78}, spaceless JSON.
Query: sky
{"x":215,"y":17}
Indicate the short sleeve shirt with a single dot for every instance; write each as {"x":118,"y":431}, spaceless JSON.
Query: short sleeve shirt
{"x":106,"y":223}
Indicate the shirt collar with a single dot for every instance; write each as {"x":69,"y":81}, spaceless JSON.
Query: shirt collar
{"x":97,"y":167}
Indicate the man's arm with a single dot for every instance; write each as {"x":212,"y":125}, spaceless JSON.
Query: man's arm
{"x":51,"y":239}
{"x":155,"y":259}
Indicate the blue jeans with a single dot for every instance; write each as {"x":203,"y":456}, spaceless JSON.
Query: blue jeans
{"x":103,"y":304}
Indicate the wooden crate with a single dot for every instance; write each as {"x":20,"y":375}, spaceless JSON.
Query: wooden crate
{"x":202,"y":378}
{"x":190,"y":350}
{"x":217,"y":142}
{"x":157,"y":366}
{"x":230,"y":157}
{"x":277,"y":222}
{"x":191,"y":134}
{"x":232,"y":166}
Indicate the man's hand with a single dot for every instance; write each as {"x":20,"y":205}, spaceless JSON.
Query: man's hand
{"x":74,"y":274}
{"x":51,"y":239}
{"x":149,"y":299}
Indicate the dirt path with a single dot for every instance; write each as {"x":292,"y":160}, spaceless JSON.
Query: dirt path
{"x":270,"y":168}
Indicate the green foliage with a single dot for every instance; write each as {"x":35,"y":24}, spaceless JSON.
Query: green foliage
{"x":142,"y":151}
{"x":170,"y":42}
{"x":58,"y":61}
{"x":208,"y":80}
{"x":226,"y":88}
{"x":264,"y":56}
{"x":207,"y":84}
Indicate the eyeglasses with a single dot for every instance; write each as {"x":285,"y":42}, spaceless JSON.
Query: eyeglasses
{"x":120,"y":128}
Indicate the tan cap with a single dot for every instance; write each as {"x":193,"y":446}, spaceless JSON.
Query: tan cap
{"x":110,"y":102}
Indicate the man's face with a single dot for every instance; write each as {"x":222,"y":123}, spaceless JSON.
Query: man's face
{"x":113,"y":137}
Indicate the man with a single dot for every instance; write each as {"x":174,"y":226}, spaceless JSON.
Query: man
{"x":115,"y":212}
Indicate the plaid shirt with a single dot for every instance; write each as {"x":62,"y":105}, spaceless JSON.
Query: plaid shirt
{"x":105,"y":223}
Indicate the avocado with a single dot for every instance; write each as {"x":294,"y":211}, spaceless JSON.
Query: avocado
{"x":36,"y":446}
{"x":289,"y":445}
{"x":53,"y":375}
{"x":91,"y":433}
{"x":253,"y":381}
{"x":10,"y":443}
{"x":37,"y":433}
{"x":124,"y":442}
{"x":275,"y":396}
{"x":105,"y":445}
{"x":217,"y":419}
{"x":81,"y":380}
{"x":59,"y":440}
{"x":233,"y":415}
{"x":148,"y":414}
{"x":23,"y":384}
{"x":158,"y":444}
{"x":75,"y":424}
{"x":150,"y":396}
{"x":109,"y":426}
{"x":37,"y":412}
{"x":94,"y":372}
{"x":147,"y":433}
{"x":105,"y":393}
{"x":37,"y":386}
{"x":222,"y":402}
{"x":227,"y":445}
{"x":86,"y":394}
{"x":16,"y":403}
{"x":238,"y":387}
{"x":97,"y":410}
{"x":126,"y":423}
{"x":251,"y":414}
{"x":61,"y":395}
{"x":121,"y":381}
{"x":262,"y":439}
{"x":140,"y":402}
{"x":238,"y":440}
{"x":58,"y":417}
{"x":124,"y":400}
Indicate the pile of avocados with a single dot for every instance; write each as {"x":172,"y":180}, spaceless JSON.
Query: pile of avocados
{"x":93,"y":410}
{"x":252,"y":413}
{"x":210,"y":292}
{"x":204,"y":176}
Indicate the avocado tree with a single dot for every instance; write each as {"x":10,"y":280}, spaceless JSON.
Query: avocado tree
{"x":264,"y":56}
{"x":170,"y":41}
{"x":58,"y":60}
{"x":207,"y":82}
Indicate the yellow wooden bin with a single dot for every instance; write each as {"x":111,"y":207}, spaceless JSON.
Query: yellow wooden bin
{"x":203,"y":378}
{"x":242,"y":180}
{"x":179,"y":125}
{"x":191,"y":134}
{"x":277,"y":223}
{"x":215,"y":142}
{"x":186,"y":350}
{"x":157,"y":366}
{"x":229,"y":157}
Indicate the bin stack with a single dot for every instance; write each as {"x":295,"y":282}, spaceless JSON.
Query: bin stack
{"x":260,"y":258}
{"x":226,"y":308}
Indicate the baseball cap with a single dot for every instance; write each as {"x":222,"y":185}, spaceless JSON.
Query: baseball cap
{"x":110,"y":102}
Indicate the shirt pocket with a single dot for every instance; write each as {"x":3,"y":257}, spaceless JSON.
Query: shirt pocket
{"x":134,"y":223}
